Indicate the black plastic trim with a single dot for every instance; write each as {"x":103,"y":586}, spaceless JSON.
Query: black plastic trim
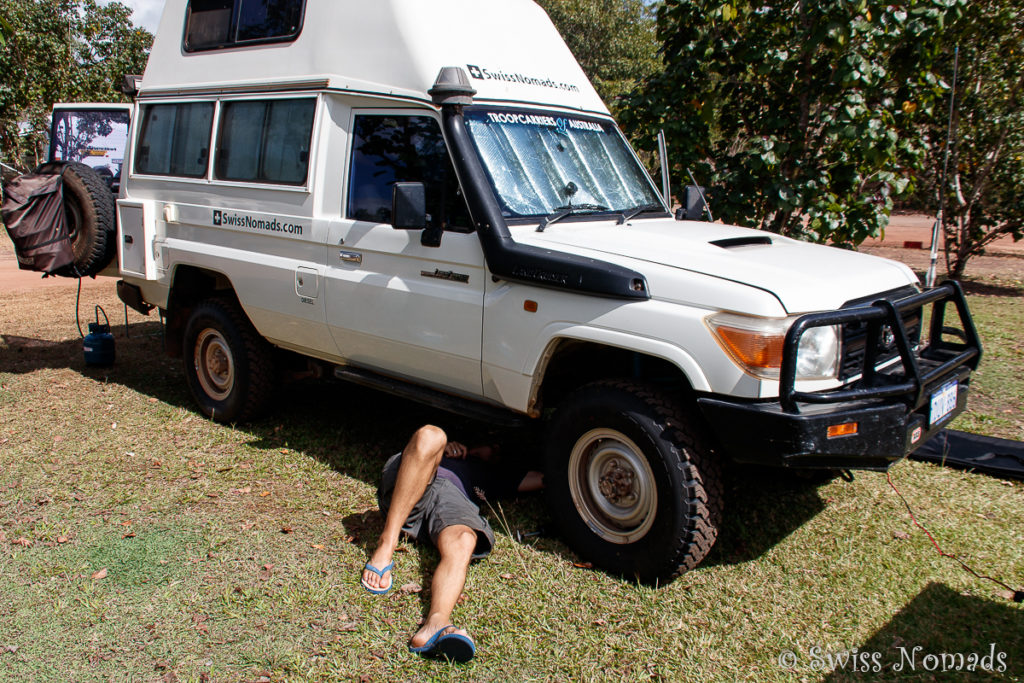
{"x":131,"y":296}
{"x":509,"y":260}
{"x":432,"y":397}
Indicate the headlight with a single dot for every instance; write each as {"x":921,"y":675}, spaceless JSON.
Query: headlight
{"x":755,"y":344}
{"x":818,"y":355}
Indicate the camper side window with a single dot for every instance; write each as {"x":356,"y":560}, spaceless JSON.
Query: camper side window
{"x":174,"y":139}
{"x":212,"y":24}
{"x":387,"y":149}
{"x":265,"y":141}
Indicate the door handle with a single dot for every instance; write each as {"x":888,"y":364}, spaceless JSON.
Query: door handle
{"x":351,"y":257}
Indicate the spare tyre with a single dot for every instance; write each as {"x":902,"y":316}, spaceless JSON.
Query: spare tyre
{"x":89,"y":208}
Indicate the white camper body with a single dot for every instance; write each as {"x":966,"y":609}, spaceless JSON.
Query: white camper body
{"x":482,"y":237}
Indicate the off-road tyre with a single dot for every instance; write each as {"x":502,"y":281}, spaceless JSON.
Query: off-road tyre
{"x":608,"y":428}
{"x":89,"y":209}
{"x":229,"y":367}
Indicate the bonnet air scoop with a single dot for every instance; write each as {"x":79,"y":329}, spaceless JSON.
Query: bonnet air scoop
{"x":749,"y":241}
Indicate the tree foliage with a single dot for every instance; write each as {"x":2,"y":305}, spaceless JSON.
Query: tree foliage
{"x":984,"y":196}
{"x":60,"y":50}
{"x":613,"y":40}
{"x":799,"y":114}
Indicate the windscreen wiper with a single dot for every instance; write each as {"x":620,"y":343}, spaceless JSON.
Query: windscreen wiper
{"x":561,"y":212}
{"x":636,"y":210}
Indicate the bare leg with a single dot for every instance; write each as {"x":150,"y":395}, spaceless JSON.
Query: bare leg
{"x":420,"y":459}
{"x":456,"y":544}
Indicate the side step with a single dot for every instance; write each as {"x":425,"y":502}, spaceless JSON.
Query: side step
{"x":438,"y":399}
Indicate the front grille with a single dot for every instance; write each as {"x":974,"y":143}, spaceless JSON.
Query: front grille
{"x":856,"y":335}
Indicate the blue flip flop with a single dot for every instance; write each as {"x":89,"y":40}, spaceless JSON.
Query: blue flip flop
{"x":454,"y":647}
{"x":380,"y":573}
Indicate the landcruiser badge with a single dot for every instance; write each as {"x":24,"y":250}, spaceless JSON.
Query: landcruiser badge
{"x":445,"y":275}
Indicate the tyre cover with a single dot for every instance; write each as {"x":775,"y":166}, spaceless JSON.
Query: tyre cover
{"x":33,"y":213}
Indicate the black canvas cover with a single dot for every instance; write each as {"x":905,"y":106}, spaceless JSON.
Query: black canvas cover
{"x":33,"y":213}
{"x":999,"y":457}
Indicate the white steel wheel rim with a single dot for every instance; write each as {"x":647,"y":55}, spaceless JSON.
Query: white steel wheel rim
{"x":613,"y":486}
{"x":215,"y":366}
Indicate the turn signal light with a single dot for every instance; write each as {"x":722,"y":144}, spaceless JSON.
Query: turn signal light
{"x":845,"y":429}
{"x":751,"y":348}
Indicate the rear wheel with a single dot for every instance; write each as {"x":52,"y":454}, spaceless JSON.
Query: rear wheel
{"x":631,"y":483}
{"x":229,"y":367}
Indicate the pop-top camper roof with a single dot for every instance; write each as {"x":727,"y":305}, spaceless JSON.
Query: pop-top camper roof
{"x":510,"y":49}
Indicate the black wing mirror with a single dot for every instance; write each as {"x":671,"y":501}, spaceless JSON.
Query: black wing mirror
{"x":409,"y":206}
{"x":409,"y":212}
{"x":695,"y":205}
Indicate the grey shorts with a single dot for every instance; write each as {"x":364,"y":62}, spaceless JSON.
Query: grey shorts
{"x":442,"y":505}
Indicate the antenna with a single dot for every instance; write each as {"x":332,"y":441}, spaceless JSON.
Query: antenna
{"x":663,"y":156}
{"x":929,"y":280}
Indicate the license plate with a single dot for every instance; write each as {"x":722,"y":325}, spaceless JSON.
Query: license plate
{"x":943,"y":402}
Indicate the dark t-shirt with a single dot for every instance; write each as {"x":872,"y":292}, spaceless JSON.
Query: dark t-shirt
{"x":473,"y":476}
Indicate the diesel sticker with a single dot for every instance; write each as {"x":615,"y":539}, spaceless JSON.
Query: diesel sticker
{"x":259,"y":223}
{"x":482,"y":74}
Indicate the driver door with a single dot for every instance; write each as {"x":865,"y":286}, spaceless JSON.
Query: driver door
{"x":394,"y":305}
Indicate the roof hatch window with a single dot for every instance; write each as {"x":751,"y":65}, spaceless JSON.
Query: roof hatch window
{"x":215,"y":24}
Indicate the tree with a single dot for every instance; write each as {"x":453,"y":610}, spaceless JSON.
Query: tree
{"x":983,"y":199}
{"x":797,"y":113}
{"x":60,"y":50}
{"x":613,"y":40}
{"x":72,"y":135}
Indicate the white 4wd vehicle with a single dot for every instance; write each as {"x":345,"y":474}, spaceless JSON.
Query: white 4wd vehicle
{"x":431,"y":199}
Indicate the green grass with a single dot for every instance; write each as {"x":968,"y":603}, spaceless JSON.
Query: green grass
{"x":234,"y":552}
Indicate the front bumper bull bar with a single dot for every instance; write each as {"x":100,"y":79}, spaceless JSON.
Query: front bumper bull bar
{"x":890,"y":402}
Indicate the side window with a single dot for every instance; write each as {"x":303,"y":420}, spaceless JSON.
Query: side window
{"x":212,"y":24}
{"x":95,"y":137}
{"x":268,"y":19}
{"x":265,"y":141}
{"x":389,"y":149}
{"x":174,"y":139}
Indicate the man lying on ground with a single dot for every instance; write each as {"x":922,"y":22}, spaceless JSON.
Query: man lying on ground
{"x":427,"y":492}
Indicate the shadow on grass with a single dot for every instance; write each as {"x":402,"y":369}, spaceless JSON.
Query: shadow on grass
{"x":354,"y":429}
{"x":763,"y":506}
{"x":140,"y":361}
{"x":978,"y":288}
{"x":941,"y":621}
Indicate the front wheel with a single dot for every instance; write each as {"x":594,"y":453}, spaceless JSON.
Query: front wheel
{"x":229,"y":367}
{"x":630,"y":481}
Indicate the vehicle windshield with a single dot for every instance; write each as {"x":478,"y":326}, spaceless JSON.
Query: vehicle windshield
{"x":540,"y":163}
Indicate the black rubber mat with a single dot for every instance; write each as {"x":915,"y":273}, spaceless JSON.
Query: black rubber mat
{"x":998,"y":457}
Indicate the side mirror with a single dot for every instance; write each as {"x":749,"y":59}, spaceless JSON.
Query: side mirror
{"x":409,"y":206}
{"x":694,"y":208}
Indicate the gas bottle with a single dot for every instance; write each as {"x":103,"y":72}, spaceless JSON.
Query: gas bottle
{"x":99,"y":343}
